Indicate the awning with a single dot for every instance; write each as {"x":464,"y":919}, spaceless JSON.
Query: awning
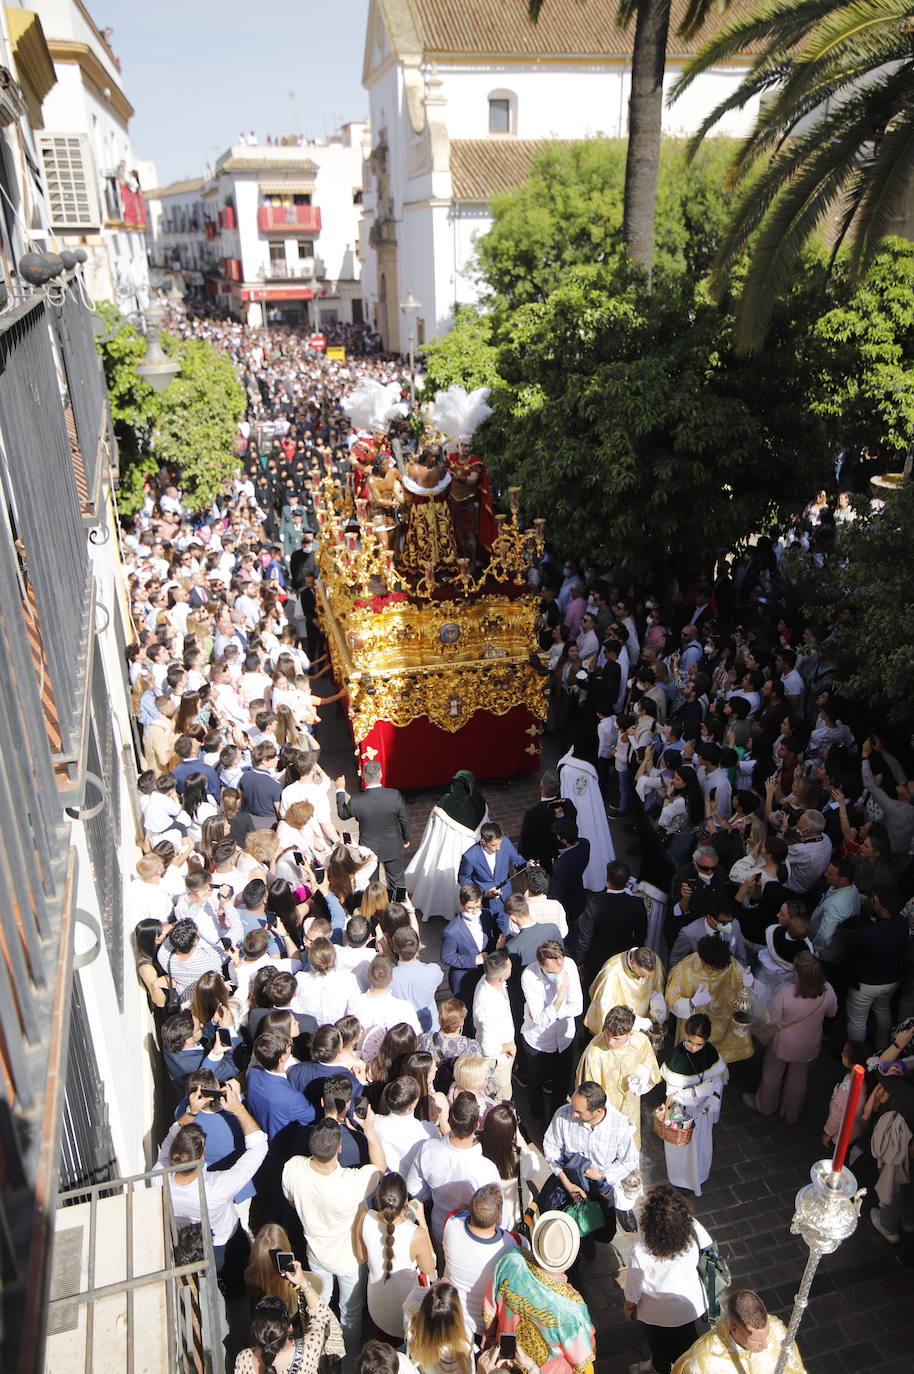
{"x":277,"y":293}
{"x":286,"y":188}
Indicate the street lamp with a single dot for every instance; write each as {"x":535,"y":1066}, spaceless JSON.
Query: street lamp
{"x":411,"y":308}
{"x":156,"y":368}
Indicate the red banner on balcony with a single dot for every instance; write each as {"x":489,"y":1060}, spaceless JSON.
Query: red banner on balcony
{"x":303,"y":218}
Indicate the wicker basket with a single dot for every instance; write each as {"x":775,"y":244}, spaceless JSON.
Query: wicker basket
{"x":669,"y":1131}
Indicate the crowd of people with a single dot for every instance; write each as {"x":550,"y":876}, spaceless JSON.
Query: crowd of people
{"x":405,"y":1162}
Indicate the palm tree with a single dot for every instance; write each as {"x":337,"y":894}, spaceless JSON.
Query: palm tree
{"x":834,"y":139}
{"x":645,"y":109}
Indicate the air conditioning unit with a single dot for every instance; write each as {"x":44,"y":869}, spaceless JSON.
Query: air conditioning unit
{"x":69,"y":173}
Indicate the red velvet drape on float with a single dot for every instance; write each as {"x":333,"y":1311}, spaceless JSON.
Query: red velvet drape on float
{"x":422,"y":754}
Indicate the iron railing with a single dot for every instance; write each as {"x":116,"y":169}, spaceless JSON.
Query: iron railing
{"x":40,"y":491}
{"x":194,"y":1327}
{"x":85,"y":386}
{"x":102,"y":818}
{"x":86,"y":1149}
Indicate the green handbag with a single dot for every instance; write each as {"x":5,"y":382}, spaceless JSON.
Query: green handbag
{"x":588,"y":1216}
{"x":714,"y":1275}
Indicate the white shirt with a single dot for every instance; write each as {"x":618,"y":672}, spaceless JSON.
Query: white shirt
{"x":401,"y":1139}
{"x":668,"y":1291}
{"x":219,"y":1187}
{"x":793,"y":684}
{"x":356,"y":962}
{"x":382,"y":1010}
{"x":206,"y":919}
{"x":491,"y":856}
{"x":325,"y":996}
{"x":449,"y":1176}
{"x":314,"y":792}
{"x":469,"y":1260}
{"x":545,"y":1028}
{"x":492,"y":1018}
{"x":159,"y":812}
{"x":546,"y":909}
{"x":148,"y":901}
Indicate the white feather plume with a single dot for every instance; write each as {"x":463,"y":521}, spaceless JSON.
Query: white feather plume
{"x":458,"y":413}
{"x":373,"y":406}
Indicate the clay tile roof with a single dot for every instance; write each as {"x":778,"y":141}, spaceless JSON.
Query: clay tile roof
{"x":566,"y":28}
{"x":484,"y":167}
{"x":175,"y":188}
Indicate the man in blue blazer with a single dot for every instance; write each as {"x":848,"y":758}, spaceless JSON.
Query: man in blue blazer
{"x":568,"y":869}
{"x":488,"y":863}
{"x":465,"y":941}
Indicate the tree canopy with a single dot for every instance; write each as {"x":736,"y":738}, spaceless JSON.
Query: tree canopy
{"x":569,"y":212}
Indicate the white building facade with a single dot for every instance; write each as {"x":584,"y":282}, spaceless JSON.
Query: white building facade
{"x":462,"y":95}
{"x":181,"y":235}
{"x":94,"y":192}
{"x":287,"y":220}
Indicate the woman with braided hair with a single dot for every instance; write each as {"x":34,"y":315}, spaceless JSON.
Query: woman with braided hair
{"x":397,"y":1244}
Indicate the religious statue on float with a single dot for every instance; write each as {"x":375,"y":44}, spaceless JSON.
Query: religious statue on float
{"x":372,"y":408}
{"x":428,"y":538}
{"x":457,"y":414}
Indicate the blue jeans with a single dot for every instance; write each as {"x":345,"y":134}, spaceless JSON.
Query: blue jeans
{"x":352,"y":1287}
{"x":626,"y":789}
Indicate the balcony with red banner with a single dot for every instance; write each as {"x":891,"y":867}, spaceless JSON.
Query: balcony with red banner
{"x":304,"y":218}
{"x":227,"y":218}
{"x":231,"y":269}
{"x":134,"y":208}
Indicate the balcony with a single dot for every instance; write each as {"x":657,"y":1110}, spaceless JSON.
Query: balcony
{"x":303,"y":218}
{"x":312,"y":269}
{"x":227,"y":218}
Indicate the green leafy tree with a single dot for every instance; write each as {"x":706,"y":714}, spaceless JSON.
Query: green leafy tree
{"x":466,"y":356}
{"x":628,"y":421}
{"x":833,"y":140}
{"x":876,"y":564}
{"x":570,"y":211}
{"x":866,"y":386}
{"x":645,"y":108}
{"x":132,"y":401}
{"x":196,"y":426}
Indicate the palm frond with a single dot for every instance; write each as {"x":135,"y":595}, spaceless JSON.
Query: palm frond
{"x":850,"y":23}
{"x":886,"y":182}
{"x":855,"y":62}
{"x":534,"y":9}
{"x":792,"y":219}
{"x":777,"y":26}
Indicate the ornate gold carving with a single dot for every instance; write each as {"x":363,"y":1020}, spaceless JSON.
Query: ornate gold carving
{"x":384,"y":632}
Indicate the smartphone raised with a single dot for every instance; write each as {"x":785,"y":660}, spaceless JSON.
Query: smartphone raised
{"x":360,"y":1108}
{"x":400,"y":894}
{"x":284,"y":1260}
{"x":225,"y":1036}
{"x":507,"y":1345}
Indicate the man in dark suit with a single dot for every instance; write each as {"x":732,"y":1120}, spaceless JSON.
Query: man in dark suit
{"x":612,"y":921}
{"x":465,"y":941}
{"x":537,"y":838}
{"x":488,"y":863}
{"x":568,"y":871}
{"x":383,"y":821}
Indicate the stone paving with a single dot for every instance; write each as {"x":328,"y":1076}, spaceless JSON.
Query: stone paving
{"x":861,"y":1311}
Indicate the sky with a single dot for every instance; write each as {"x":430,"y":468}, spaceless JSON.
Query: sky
{"x":197,"y":72}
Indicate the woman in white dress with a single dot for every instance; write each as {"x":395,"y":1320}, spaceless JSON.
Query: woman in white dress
{"x":695,"y":1078}
{"x":452,"y":827}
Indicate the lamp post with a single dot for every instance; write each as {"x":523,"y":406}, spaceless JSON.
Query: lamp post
{"x":411,"y":308}
{"x":825,"y":1214}
{"x":156,"y":368}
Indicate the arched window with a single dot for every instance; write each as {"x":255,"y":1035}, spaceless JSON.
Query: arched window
{"x":502,"y":112}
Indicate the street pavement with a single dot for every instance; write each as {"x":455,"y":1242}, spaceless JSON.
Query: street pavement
{"x":861,"y":1310}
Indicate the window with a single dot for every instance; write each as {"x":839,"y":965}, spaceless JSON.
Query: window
{"x":305,"y":248}
{"x":278,"y":254}
{"x":113,"y":202}
{"x":499,"y":115}
{"x":70,"y":179}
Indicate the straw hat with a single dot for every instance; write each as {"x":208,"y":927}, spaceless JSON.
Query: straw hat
{"x":555,"y":1241}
